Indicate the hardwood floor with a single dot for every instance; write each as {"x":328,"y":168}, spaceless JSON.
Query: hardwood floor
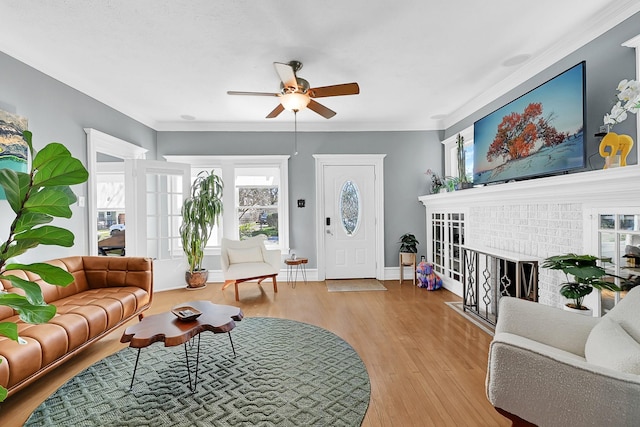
{"x":426,"y":363}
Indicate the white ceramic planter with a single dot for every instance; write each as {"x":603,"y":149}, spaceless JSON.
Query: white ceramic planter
{"x":585,"y":311}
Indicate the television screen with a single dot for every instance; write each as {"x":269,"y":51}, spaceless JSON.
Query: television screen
{"x":541,"y":133}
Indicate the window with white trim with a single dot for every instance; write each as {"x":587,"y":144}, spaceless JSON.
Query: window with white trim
{"x":255,"y":196}
{"x":451,"y":154}
{"x":619,"y":240}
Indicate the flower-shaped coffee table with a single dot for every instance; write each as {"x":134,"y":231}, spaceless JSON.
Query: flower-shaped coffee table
{"x":167,"y":328}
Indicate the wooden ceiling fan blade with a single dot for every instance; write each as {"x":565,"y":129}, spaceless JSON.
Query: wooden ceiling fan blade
{"x":287,"y":75}
{"x":335,"y":90}
{"x":276,"y":111}
{"x":325,"y":112}
{"x":235,"y":92}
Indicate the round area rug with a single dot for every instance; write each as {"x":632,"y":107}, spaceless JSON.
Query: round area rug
{"x":286,"y":373}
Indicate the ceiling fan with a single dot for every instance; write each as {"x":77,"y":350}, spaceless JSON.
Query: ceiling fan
{"x":295,"y":93}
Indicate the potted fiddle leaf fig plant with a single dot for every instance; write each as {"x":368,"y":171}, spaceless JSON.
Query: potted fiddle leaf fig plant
{"x":36,"y":198}
{"x":587,"y":275}
{"x":200,"y":213}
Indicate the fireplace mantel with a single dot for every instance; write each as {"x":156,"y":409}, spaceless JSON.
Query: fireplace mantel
{"x":598,"y":186}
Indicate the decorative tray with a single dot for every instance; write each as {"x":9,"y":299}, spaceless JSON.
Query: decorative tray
{"x":186,"y":313}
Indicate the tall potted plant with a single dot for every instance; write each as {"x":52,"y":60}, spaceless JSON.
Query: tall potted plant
{"x":463,"y":180}
{"x":36,"y":198}
{"x":587,"y":275}
{"x":200,"y":213}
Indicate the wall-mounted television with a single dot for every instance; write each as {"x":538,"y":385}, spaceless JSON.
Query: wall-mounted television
{"x":538,"y":134}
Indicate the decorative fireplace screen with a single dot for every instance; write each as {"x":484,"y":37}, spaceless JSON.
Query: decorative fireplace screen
{"x":488,"y":275}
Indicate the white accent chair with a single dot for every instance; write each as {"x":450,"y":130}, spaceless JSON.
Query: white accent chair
{"x":249,"y":259}
{"x":551,"y":367}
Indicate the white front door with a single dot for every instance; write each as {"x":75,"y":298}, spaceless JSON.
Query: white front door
{"x":153,"y":213}
{"x":349,"y":221}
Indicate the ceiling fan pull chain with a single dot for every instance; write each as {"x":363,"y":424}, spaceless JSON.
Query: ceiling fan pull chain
{"x":295,"y":132}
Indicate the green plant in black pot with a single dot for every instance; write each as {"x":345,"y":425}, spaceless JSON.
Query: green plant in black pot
{"x":587,"y":275}
{"x":408,"y":243}
{"x":36,"y":198}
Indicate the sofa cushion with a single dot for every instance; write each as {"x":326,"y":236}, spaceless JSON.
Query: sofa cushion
{"x":243,"y":255}
{"x":609,"y":345}
{"x":626,"y":313}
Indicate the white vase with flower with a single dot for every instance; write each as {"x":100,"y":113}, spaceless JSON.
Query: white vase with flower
{"x":615,"y":148}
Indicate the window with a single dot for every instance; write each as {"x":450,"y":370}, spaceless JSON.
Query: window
{"x":257,"y":208}
{"x":255,"y":197}
{"x":350,"y":207}
{"x":619,"y":239}
{"x":451,"y":154}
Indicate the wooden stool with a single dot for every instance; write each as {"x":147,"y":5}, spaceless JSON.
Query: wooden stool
{"x":407,"y":259}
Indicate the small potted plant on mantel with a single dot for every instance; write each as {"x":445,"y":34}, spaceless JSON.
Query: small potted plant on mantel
{"x":463,"y":180}
{"x":587,"y":275}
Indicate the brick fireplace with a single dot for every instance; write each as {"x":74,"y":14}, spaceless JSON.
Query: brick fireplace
{"x":536,"y":218}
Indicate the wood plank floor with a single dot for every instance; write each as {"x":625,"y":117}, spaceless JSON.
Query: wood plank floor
{"x":426,"y":363}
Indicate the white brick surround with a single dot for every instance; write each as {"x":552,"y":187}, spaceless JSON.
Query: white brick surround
{"x":539,"y":217}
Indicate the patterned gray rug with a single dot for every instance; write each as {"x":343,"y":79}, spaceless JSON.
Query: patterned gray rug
{"x":286,"y":373}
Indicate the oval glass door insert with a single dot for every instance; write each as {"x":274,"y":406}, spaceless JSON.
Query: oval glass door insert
{"x":350,"y":207}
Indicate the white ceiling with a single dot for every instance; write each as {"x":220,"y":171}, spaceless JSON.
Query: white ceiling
{"x":419,"y":64}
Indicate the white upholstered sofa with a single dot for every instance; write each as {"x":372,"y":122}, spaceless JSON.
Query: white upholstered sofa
{"x":249,"y":259}
{"x":554,"y":368}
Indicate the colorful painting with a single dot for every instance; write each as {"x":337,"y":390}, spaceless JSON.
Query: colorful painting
{"x":13,"y":149}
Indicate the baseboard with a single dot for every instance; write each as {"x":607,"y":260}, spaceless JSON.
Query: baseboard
{"x":390,"y":273}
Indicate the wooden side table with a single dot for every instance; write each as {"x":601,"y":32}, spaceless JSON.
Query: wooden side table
{"x":299,"y":264}
{"x":407,"y":259}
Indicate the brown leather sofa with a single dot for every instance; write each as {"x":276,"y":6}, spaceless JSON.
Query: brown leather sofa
{"x":106,"y":292}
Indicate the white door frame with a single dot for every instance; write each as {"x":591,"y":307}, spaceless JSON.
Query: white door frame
{"x":375,"y":160}
{"x":100,"y":142}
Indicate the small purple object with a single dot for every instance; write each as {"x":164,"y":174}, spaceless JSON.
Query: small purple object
{"x":427,"y":278}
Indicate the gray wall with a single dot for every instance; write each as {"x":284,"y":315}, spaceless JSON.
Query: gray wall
{"x":607,"y":62}
{"x":57,"y":112}
{"x":409,"y":155}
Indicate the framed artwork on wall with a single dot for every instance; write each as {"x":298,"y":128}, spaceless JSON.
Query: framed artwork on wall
{"x":13,"y":149}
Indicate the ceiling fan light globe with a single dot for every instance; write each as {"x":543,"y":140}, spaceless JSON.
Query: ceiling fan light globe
{"x":294,"y":101}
